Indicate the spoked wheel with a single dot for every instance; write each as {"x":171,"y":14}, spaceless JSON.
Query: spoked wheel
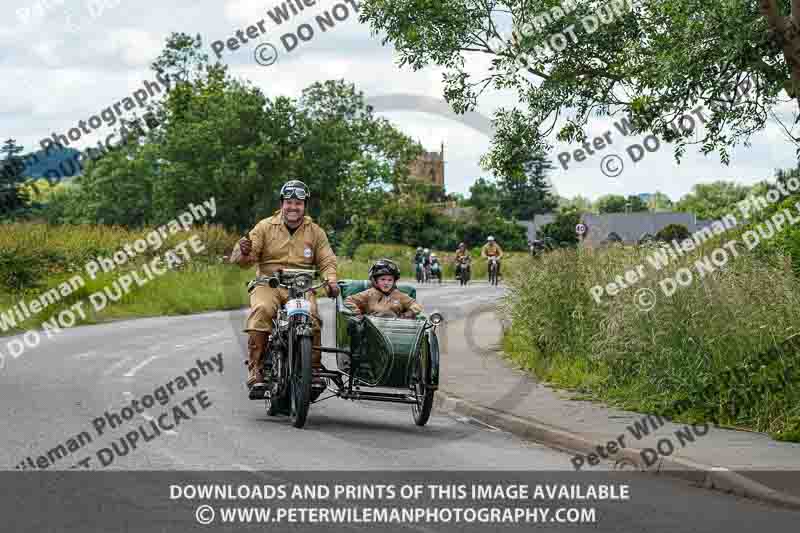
{"x":300,"y":384}
{"x":421,"y":410}
{"x":276,"y":406}
{"x":275,"y":400}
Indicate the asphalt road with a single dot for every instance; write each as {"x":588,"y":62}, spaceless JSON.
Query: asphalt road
{"x":54,"y":393}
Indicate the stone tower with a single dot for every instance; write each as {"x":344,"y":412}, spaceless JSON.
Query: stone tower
{"x":429,"y":167}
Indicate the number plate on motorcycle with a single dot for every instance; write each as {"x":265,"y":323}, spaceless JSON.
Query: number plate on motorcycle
{"x":299,"y":306}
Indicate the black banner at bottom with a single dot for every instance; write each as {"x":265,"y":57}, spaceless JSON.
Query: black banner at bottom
{"x":152,"y":502}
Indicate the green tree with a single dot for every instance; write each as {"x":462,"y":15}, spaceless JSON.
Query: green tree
{"x":642,"y":52}
{"x":614,"y":203}
{"x":351,"y":157}
{"x":786,"y":242}
{"x":222,"y":137}
{"x":562,"y":230}
{"x":673,"y":232}
{"x":13,"y":197}
{"x":524,"y":190}
{"x":579,"y":203}
{"x":484,"y":194}
{"x":711,"y":201}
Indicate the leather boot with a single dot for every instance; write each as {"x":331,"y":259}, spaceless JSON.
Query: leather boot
{"x":255,"y":345}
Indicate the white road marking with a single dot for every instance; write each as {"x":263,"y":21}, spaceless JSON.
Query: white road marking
{"x":116,"y":365}
{"x":85,"y":355}
{"x":244,"y":467}
{"x":132,"y":372}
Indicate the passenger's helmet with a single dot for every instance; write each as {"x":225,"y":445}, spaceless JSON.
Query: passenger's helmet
{"x":490,"y":239}
{"x":426,"y":250}
{"x":295,"y":189}
{"x":383,"y":267}
{"x":461,"y":245}
{"x":433,"y":256}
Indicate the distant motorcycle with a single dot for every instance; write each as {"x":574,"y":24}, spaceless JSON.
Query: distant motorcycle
{"x":422,"y":272}
{"x":537,"y":247}
{"x":436,"y":271}
{"x":463,"y":270}
{"x":493,"y":268}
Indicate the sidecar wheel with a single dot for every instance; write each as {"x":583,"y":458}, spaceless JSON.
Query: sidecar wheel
{"x":421,"y":411}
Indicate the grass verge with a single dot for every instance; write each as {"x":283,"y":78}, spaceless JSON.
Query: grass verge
{"x":703,"y":346}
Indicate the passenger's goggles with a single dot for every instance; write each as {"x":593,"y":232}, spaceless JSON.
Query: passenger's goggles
{"x":294,"y":192}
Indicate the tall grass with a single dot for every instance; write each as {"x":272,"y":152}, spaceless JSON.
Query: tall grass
{"x":677,"y":350}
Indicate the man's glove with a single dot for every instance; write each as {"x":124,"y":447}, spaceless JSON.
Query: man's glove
{"x":333,"y":289}
{"x":245,"y":245}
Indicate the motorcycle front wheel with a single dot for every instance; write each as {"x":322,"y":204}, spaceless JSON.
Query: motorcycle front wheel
{"x":301,"y":383}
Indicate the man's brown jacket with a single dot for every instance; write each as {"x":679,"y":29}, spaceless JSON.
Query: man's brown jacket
{"x":274,"y":247}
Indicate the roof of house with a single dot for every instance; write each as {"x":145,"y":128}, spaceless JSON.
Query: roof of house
{"x":629,"y":226}
{"x":632,"y":226}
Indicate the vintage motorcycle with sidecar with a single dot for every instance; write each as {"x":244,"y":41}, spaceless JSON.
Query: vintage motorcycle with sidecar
{"x":372,"y":352}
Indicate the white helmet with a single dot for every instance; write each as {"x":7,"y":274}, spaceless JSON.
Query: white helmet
{"x":426,"y":250}
{"x":433,"y":255}
{"x":490,"y":239}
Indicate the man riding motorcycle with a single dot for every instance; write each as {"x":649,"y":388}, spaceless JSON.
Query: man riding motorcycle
{"x":419,"y":258}
{"x":287,"y":239}
{"x":461,"y":254}
{"x":436,"y":268}
{"x":426,"y":261}
{"x":492,"y":249}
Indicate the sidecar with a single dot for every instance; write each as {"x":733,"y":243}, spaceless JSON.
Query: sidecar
{"x":393,"y":353}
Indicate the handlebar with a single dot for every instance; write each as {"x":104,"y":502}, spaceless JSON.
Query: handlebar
{"x":274,"y":282}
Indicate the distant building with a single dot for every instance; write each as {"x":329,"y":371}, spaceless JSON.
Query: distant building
{"x":630,"y":227}
{"x":429,"y":167}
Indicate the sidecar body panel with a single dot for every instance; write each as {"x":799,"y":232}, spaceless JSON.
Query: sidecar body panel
{"x":383,"y":348}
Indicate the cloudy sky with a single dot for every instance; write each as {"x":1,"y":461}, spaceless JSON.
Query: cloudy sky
{"x":62,"y":61}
